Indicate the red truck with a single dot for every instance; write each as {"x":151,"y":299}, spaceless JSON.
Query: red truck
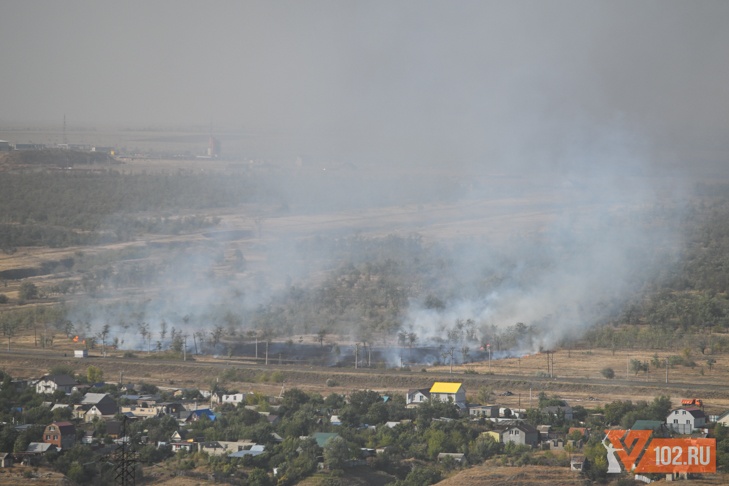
{"x":696,"y":402}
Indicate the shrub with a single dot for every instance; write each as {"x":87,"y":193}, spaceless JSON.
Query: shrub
{"x":608,"y":373}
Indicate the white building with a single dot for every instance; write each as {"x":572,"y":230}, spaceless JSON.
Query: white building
{"x":685,"y":420}
{"x":417,"y":396}
{"x":449,"y":392}
{"x":53,"y":383}
{"x":234,"y":398}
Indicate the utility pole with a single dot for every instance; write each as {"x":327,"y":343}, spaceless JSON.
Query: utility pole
{"x":666,"y":370}
{"x":488,"y":346}
{"x":627,"y":367}
{"x":184,"y":348}
{"x":551,"y":373}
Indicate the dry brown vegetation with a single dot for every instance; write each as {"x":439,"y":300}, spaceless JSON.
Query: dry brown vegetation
{"x":576,"y":379}
{"x":495,"y":475}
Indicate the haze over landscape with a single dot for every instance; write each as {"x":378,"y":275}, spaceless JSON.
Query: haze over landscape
{"x":569,"y":120}
{"x":504,"y":85}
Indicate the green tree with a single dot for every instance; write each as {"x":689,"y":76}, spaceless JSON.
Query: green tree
{"x":259,"y":477}
{"x":28,"y":291}
{"x":636,"y":366}
{"x":94,"y":374}
{"x":336,"y":453}
{"x":320,"y":335}
{"x":483,"y":448}
{"x":8,"y":435}
{"x":710,"y":362}
{"x":77,"y":473}
{"x":62,"y":369}
{"x":421,"y":476}
{"x":596,"y":464}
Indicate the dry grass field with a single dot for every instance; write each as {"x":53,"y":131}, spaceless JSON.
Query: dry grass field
{"x":493,"y":475}
{"x":576,"y":376}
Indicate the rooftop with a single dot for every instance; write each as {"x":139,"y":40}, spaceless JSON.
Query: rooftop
{"x":444,"y":387}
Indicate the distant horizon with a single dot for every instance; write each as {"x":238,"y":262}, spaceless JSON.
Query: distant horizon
{"x":525,"y":85}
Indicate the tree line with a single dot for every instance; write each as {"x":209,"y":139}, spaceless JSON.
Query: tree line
{"x":77,"y":207}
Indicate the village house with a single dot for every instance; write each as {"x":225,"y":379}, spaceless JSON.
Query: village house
{"x":659,"y":428}
{"x":170,"y":408}
{"x":449,"y":392}
{"x":237,"y":445}
{"x":545,"y":432}
{"x":559,"y":411}
{"x":187,"y":446}
{"x":189,"y":416}
{"x":416,"y":396}
{"x":723,"y":419}
{"x":35,"y":451}
{"x":233,"y":399}
{"x":60,"y":406}
{"x":141,"y":412}
{"x":584,"y":431}
{"x":254,"y":450}
{"x":212,"y":448}
{"x":488,"y":411}
{"x":52,"y":383}
{"x":520,"y":433}
{"x":181,"y":440}
{"x":458,"y":457}
{"x":322,"y":438}
{"x":686,"y":419}
{"x":96,"y":406}
{"x":60,"y":434}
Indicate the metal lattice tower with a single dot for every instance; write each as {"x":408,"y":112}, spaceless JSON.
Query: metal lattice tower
{"x":124,"y":460}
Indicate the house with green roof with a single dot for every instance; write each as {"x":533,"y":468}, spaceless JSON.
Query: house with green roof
{"x":659,"y":428}
{"x":322,"y":438}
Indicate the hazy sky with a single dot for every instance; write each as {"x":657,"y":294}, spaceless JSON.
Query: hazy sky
{"x":456,"y":79}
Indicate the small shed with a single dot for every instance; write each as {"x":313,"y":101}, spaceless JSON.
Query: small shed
{"x":81,"y":353}
{"x":6,"y":459}
{"x":456,"y":456}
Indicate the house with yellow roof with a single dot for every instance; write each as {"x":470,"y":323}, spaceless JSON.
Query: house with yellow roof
{"x":449,"y":392}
